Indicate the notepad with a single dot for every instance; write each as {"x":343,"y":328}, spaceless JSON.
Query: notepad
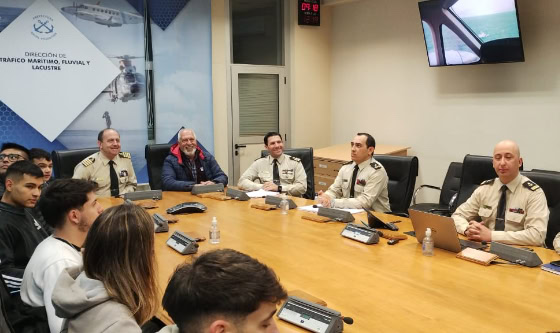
{"x":551,"y":268}
{"x":477,"y":256}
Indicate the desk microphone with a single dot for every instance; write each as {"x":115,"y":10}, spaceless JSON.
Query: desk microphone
{"x":347,"y":320}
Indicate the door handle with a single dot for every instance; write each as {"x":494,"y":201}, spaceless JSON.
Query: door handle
{"x":239,"y":146}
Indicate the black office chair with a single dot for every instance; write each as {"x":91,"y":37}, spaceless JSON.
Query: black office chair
{"x":64,"y":161}
{"x":476,"y":169}
{"x":306,"y":157}
{"x":549,"y":181}
{"x":155,"y":155}
{"x":402,"y":172}
{"x":448,"y":192}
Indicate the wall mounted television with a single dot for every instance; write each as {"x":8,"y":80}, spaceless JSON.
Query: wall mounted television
{"x":468,"y":32}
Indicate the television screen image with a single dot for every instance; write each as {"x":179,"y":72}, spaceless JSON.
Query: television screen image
{"x":465,"y":32}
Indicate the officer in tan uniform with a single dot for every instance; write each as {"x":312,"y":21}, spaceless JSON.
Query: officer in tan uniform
{"x":368,"y":188}
{"x":520,"y":216}
{"x":97,"y":167}
{"x":291,"y":177}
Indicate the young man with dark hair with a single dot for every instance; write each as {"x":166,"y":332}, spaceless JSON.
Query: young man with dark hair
{"x":43,"y":160}
{"x":361,"y":183}
{"x":20,"y":230}
{"x":9,"y":154}
{"x":223,"y":291}
{"x":110,"y":168}
{"x":277,"y":172}
{"x":69,"y":206}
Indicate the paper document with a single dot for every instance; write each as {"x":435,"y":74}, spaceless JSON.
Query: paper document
{"x":260,"y":193}
{"x":316,"y":209}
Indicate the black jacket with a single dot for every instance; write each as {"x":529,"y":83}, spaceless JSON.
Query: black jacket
{"x":20,"y":233}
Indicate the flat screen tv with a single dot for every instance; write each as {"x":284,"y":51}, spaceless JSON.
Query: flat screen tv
{"x":467,"y":32}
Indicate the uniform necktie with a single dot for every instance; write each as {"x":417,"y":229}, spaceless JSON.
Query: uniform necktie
{"x":114,"y":180}
{"x":275,"y":173}
{"x":501,"y":213}
{"x":354,"y":175}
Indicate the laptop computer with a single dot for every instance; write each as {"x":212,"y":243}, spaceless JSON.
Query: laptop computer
{"x":443,"y":231}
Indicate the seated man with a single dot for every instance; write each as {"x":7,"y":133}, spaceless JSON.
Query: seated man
{"x":512,"y":208}
{"x":277,"y":172}
{"x":20,"y":230}
{"x":110,"y":168}
{"x":43,"y":160}
{"x":9,"y":154}
{"x":361,"y":183}
{"x":223,"y":291}
{"x":69,"y":206}
{"x":188,"y":165}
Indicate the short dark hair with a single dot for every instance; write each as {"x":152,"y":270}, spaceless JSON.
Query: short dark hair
{"x":38,"y":153}
{"x":102,"y":132}
{"x":13,"y":145}
{"x":268,"y":135}
{"x":370,"y":141}
{"x":224,"y":282}
{"x":61,"y":196}
{"x":19,"y":168}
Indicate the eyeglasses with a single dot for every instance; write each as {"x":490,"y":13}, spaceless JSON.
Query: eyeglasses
{"x":11,"y":157}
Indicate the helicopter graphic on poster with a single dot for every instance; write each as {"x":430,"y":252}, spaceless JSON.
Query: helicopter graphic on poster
{"x":129,"y":84}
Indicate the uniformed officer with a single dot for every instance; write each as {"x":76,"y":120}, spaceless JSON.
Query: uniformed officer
{"x":361,"y":183}
{"x":512,"y":208}
{"x":276,"y":172}
{"x":110,"y":168}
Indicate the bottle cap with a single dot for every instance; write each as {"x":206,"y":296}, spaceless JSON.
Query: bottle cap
{"x":428,"y":232}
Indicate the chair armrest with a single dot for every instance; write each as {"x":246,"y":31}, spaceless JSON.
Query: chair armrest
{"x":421,"y":187}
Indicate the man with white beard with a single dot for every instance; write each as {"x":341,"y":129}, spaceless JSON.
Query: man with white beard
{"x":188,"y":165}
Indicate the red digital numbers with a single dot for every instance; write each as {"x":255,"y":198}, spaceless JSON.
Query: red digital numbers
{"x":306,"y":6}
{"x":315,"y":7}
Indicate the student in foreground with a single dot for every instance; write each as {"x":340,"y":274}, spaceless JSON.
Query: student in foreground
{"x":223,"y":291}
{"x":116,"y":289}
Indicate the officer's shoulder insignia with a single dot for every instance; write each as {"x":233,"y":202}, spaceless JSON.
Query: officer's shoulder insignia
{"x":295,"y":159}
{"x":347,"y":163}
{"x":488,"y":182}
{"x":375,"y":165}
{"x":88,"y":161}
{"x":531,"y":185}
{"x":124,"y":154}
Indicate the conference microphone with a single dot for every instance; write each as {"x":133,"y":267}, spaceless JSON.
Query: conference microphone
{"x":347,"y":320}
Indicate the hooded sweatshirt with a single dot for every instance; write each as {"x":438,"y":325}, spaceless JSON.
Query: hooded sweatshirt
{"x":86,"y":307}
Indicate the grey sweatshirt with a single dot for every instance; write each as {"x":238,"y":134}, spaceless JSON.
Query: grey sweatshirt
{"x":86,"y":306}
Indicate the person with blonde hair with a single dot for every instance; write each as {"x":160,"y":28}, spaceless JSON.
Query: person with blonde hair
{"x":116,"y":289}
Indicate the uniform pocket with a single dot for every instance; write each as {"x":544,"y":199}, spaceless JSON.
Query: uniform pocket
{"x":485,"y":212}
{"x":514,"y":217}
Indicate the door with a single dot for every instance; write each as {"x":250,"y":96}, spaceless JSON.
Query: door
{"x":258,"y":107}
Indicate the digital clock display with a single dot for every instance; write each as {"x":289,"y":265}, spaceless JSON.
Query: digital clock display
{"x":309,"y":12}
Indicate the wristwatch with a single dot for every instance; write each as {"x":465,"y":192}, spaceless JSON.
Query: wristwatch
{"x":280,"y":188}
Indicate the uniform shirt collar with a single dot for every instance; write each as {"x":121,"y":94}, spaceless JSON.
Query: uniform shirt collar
{"x":363,"y":164}
{"x":513,"y":185}
{"x":280,"y":159}
{"x":105,"y":160}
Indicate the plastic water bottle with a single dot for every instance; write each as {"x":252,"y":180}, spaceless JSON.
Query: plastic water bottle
{"x":428,"y":243}
{"x":284,"y":205}
{"x":214,"y":232}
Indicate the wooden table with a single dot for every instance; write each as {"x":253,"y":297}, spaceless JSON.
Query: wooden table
{"x":328,"y":161}
{"x":384,"y":288}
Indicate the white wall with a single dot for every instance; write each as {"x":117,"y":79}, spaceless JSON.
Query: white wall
{"x":380,"y":77}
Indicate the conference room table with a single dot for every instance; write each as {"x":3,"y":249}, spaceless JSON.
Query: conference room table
{"x":384,"y":288}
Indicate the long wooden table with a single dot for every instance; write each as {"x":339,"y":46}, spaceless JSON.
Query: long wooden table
{"x":384,"y":288}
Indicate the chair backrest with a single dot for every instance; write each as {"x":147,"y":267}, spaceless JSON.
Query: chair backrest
{"x":549,"y":181}
{"x":4,"y":299}
{"x":64,"y":161}
{"x":306,"y":157}
{"x":402,"y":172}
{"x":476,"y":169}
{"x":155,"y":155}
{"x":451,"y":183}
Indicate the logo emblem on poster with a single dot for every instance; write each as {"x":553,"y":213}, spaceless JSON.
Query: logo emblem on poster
{"x":43,"y":27}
